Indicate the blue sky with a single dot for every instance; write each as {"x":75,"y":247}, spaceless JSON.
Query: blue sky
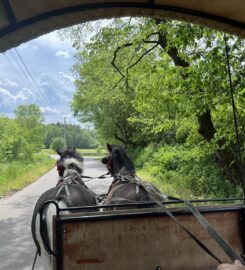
{"x":49,"y":60}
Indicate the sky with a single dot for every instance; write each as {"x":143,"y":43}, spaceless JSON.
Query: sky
{"x":49,"y":61}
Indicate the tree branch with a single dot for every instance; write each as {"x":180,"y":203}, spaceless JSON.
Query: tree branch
{"x":172,"y":51}
{"x":116,"y":135}
{"x":130,"y":44}
{"x":115,"y":56}
{"x":142,"y":55}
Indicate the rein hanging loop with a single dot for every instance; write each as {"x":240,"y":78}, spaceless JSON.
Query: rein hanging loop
{"x":241,"y":174}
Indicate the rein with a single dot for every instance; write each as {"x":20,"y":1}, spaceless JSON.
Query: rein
{"x":34,"y":261}
{"x":96,"y":177}
{"x":64,"y":182}
{"x":196,"y":213}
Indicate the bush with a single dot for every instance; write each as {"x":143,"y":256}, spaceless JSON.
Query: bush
{"x":190,"y":172}
{"x":57,"y":143}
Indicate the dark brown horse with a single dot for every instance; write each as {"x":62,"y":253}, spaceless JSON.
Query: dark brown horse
{"x":126,"y":186}
{"x":69,"y":191}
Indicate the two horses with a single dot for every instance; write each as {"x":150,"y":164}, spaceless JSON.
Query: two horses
{"x":71,"y":191}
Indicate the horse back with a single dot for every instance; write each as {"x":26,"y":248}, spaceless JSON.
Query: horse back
{"x":76,"y":194}
{"x":131,"y":191}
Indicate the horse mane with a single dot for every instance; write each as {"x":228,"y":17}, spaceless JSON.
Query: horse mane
{"x":122,"y":163}
{"x":71,"y":153}
{"x":72,"y":161}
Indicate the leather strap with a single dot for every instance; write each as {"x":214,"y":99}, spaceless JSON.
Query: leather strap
{"x":204,"y":223}
{"x":212,"y":232}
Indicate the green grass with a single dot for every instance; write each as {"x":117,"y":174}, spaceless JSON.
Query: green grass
{"x":166,"y":188}
{"x":16,"y":175}
{"x":49,"y":151}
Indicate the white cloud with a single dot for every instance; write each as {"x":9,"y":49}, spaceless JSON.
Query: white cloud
{"x":8,"y":98}
{"x":67,"y":76}
{"x":62,"y":54}
{"x":55,"y":80}
{"x":28,"y":92}
{"x":20,"y":96}
{"x":49,"y":110}
{"x":58,"y":89}
{"x":59,"y":80}
{"x":8,"y":82}
{"x":53,"y":42}
{"x":5,"y":92}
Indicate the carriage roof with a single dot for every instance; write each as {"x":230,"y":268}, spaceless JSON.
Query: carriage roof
{"x":18,"y":24}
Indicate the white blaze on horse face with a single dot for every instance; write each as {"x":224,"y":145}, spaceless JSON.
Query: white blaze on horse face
{"x":69,"y":161}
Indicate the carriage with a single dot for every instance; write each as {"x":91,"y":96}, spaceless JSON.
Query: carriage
{"x":135,"y":235}
{"x":135,"y":228}
{"x":143,"y":238}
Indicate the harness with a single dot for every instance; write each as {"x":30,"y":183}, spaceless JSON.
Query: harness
{"x":157,"y":197}
{"x":120,"y":179}
{"x":63,"y":184}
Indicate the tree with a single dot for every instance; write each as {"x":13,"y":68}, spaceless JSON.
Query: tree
{"x":31,"y":120}
{"x":14,"y":143}
{"x":57,"y":143}
{"x":141,"y":81}
{"x":75,"y":135}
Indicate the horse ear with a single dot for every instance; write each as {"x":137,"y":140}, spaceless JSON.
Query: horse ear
{"x":109,"y":147}
{"x":58,"y":151}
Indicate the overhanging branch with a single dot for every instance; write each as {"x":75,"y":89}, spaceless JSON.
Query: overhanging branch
{"x":142,"y":55}
{"x":115,"y":56}
{"x":146,"y":41}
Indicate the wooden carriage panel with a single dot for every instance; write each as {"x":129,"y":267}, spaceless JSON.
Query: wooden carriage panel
{"x":145,"y":242}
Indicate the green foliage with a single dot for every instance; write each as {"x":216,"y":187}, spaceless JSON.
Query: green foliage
{"x":75,"y":136}
{"x":57,"y":143}
{"x":21,"y":137}
{"x":31,"y":120}
{"x":13,"y":143}
{"x":153,"y":103}
{"x":189,"y":172}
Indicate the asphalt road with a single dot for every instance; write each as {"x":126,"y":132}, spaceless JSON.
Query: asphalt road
{"x":16,"y":246}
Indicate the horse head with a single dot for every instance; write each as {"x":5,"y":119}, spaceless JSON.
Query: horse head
{"x":118,"y":162}
{"x":70,"y":162}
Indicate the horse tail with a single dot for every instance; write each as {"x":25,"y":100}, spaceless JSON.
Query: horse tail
{"x":35,"y":224}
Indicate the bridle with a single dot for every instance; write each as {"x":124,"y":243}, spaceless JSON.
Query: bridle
{"x":60,"y":168}
{"x":108,"y":162}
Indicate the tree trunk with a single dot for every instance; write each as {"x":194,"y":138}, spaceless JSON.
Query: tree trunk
{"x":225,"y":156}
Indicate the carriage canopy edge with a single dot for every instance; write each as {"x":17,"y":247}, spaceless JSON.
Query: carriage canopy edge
{"x":18,"y":24}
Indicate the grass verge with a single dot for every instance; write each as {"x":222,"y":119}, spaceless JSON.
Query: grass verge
{"x":18,"y":174}
{"x":166,"y":188}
